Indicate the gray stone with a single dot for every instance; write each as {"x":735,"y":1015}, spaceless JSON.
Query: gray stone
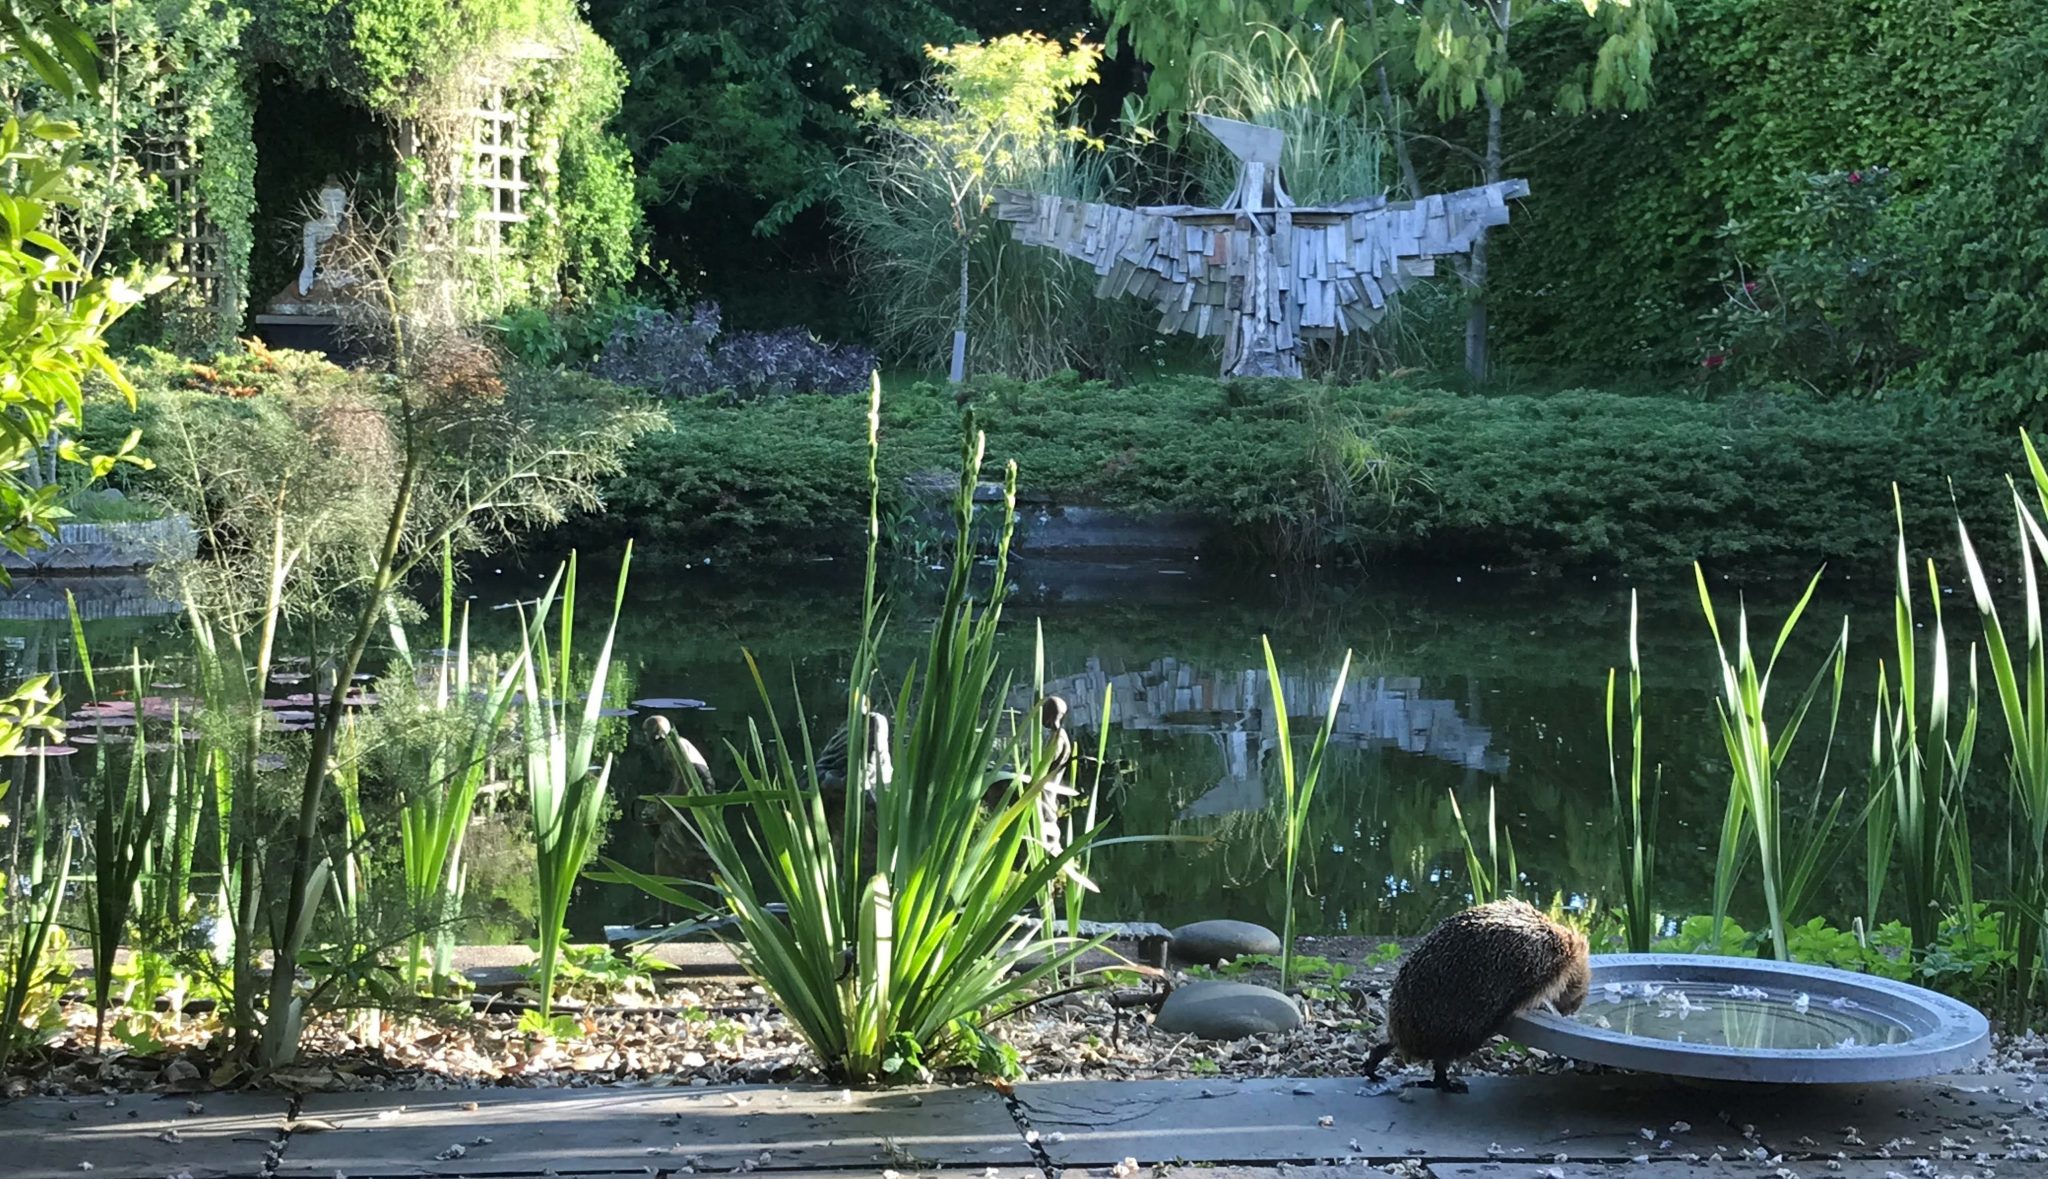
{"x":1203,"y":1171}
{"x":1205,"y":943}
{"x":647,"y":1130}
{"x":1215,"y":1010}
{"x":140,"y":1137}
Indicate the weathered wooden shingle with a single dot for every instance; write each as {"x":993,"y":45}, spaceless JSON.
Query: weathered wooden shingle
{"x":1277,"y":273}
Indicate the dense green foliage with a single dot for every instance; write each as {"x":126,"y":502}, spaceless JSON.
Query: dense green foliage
{"x":1579,"y":477}
{"x":1753,"y":97}
{"x":389,"y":54}
{"x":739,"y":115}
{"x":173,"y":81}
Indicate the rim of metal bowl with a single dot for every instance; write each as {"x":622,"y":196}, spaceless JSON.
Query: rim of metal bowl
{"x":1949,"y":1034}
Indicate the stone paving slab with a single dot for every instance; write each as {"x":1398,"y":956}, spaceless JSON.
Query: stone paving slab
{"x":1198,"y":1171}
{"x":1586,"y":1117}
{"x":1095,"y":1123}
{"x":637,"y":1131}
{"x":139,"y":1137}
{"x":1852,"y":1169}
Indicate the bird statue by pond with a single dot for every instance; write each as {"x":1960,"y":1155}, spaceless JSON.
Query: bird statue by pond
{"x":672,"y":843}
{"x":1267,"y":276}
{"x":830,"y":763}
{"x":1052,"y":721}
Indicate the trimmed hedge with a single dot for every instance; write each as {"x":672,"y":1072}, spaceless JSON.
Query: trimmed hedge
{"x":1580,"y":478}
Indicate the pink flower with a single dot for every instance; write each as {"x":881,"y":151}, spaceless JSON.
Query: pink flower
{"x":1749,"y":288}
{"x":1714,"y":360}
{"x":1855,"y":177}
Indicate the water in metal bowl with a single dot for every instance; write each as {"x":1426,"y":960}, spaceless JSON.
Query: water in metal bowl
{"x":1746,"y":1019}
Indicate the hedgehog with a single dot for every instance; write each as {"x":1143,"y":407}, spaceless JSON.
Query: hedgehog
{"x":1470,"y":975}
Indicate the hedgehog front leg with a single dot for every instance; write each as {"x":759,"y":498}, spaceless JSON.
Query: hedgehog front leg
{"x":1372,"y":1062}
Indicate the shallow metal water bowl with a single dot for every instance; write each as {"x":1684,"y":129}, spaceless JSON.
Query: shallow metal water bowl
{"x":1748,"y":1019}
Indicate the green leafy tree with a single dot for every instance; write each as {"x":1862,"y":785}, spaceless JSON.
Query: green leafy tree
{"x":171,"y":82}
{"x":988,"y":118}
{"x":749,"y":104}
{"x":51,"y":341}
{"x":1462,"y":51}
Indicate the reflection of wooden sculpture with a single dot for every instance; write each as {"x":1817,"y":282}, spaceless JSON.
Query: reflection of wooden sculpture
{"x":1262,"y":272}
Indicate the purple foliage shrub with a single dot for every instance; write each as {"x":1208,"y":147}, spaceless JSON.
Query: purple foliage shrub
{"x":673,"y":356}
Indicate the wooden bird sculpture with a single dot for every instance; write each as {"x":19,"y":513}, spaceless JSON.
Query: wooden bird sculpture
{"x":1260,"y":271}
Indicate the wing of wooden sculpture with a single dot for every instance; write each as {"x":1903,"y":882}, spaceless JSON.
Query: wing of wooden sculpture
{"x":1339,"y":263}
{"x":1348,"y":261}
{"x":1176,"y":257}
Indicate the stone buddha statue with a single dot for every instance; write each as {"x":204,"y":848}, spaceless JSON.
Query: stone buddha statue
{"x":320,"y":285}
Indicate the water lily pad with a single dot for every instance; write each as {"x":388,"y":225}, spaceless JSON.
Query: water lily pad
{"x":655,"y":703}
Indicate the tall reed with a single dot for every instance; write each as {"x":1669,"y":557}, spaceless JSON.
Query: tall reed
{"x":126,"y":820}
{"x":441,"y":801}
{"x":888,"y":959}
{"x":1636,"y":832}
{"x":1297,"y":795}
{"x":1754,"y":822}
{"x":1309,"y":86}
{"x":120,"y":836}
{"x":2022,"y":683}
{"x":1074,"y":895}
{"x":1031,"y":312}
{"x":1496,"y":875}
{"x":35,"y":895}
{"x":1920,"y":771}
{"x":565,"y":791}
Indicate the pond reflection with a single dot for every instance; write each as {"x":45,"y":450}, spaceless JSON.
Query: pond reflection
{"x":1234,"y":710}
{"x":1487,"y":684}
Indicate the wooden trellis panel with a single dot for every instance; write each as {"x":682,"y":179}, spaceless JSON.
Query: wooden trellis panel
{"x":195,"y":251}
{"x":498,"y":157}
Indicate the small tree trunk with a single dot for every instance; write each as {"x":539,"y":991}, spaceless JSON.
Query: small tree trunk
{"x":280,"y":1042}
{"x":958,"y":372}
{"x":1402,"y":159}
{"x":1475,"y":270}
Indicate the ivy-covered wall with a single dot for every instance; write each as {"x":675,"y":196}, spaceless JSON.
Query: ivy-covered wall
{"x":167,"y":134}
{"x":415,"y":64}
{"x":176,"y":130}
{"x":1621,"y":246}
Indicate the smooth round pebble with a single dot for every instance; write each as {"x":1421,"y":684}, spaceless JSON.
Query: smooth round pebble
{"x":1214,"y":1010}
{"x":1205,"y":943}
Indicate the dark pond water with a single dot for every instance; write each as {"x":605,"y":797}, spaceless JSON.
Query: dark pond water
{"x":1476,"y":684}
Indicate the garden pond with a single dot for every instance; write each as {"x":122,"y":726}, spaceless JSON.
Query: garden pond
{"x":1486,"y":685}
